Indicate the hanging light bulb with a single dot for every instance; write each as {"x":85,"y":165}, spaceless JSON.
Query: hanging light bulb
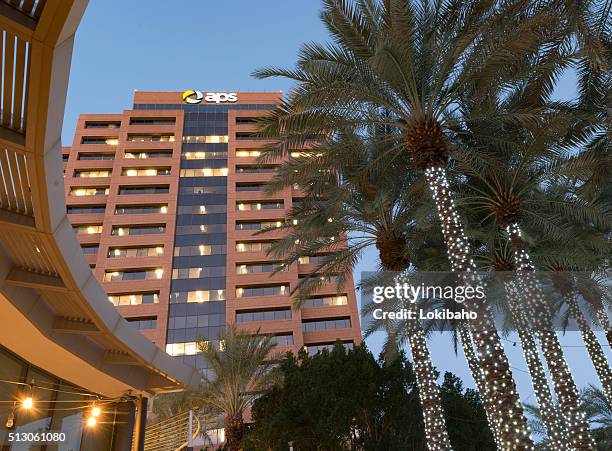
{"x":11,"y":418}
{"x":95,"y":410}
{"x":91,"y":421}
{"x":27,"y":402}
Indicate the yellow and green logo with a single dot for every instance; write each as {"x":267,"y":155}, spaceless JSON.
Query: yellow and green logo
{"x":191,"y":96}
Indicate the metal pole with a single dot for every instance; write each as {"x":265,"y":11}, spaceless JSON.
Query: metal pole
{"x":141,"y":422}
{"x":190,"y":438}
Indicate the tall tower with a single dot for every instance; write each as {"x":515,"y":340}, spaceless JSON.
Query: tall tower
{"x":166,"y":200}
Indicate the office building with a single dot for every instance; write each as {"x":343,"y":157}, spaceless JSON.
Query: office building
{"x":166,"y":200}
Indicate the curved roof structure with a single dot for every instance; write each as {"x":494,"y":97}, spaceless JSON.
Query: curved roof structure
{"x":53,"y":312}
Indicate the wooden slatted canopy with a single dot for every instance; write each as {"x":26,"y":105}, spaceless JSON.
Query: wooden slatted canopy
{"x":44,"y":280}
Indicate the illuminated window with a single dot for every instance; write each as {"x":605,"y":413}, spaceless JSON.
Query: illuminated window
{"x":134,"y":298}
{"x":200,"y":249}
{"x":312,"y":260}
{"x":198,"y":273}
{"x":247,"y":153}
{"x":154,"y":251}
{"x":253,"y":246}
{"x":256,"y":169}
{"x":254,"y":206}
{"x":269,"y":290}
{"x":111,"y":141}
{"x":87,"y":229}
{"x":258,"y":225}
{"x":326,"y":301}
{"x":95,"y":156}
{"x":208,"y":139}
{"x":102,"y":191}
{"x":145,"y":172}
{"x":179,"y":297}
{"x":202,"y":155}
{"x":140,"y":210}
{"x":138,"y":230}
{"x":252,"y":268}
{"x":85,"y":173}
{"x":151,"y":138}
{"x":204,"y":172}
{"x":102,"y":124}
{"x":133,"y":274}
{"x":144,"y":154}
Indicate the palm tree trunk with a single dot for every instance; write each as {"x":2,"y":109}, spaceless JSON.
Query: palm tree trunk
{"x":479,"y":381}
{"x":436,"y":434}
{"x":234,"y":430}
{"x":500,"y":387}
{"x":551,"y":416}
{"x":602,"y":316}
{"x":565,"y":388}
{"x":592,"y":345}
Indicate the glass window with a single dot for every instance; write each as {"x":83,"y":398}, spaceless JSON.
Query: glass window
{"x":326,"y":301}
{"x":208,"y":139}
{"x":91,"y":173}
{"x":150,"y":138}
{"x":200,"y":249}
{"x":191,"y":155}
{"x":140,"y":210}
{"x":337,"y":323}
{"x":111,"y":141}
{"x":255,"y":206}
{"x":253,"y":246}
{"x":204,"y":172}
{"x":99,"y":191}
{"x":91,"y":229}
{"x":257,"y":225}
{"x":144,"y":154}
{"x":133,"y":274}
{"x":242,"y":153}
{"x":267,"y":290}
{"x":152,"y":251}
{"x":263,"y":315}
{"x":134,"y":298}
{"x":138,"y":230}
{"x":198,"y":296}
{"x":95,"y":156}
{"x":145,"y":172}
{"x":267,"y":267}
{"x":85,"y":209}
{"x":126,"y":190}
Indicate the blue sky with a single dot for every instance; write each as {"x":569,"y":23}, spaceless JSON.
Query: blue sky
{"x":161,"y":45}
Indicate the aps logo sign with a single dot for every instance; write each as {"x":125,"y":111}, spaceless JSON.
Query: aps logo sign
{"x":191,"y":96}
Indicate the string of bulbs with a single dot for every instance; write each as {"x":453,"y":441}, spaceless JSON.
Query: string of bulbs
{"x":27,"y":402}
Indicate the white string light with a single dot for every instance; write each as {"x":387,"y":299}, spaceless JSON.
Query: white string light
{"x":500,"y":390}
{"x":565,"y":388}
{"x":551,"y":416}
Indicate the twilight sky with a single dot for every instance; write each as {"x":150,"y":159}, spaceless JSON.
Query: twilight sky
{"x":161,"y":45}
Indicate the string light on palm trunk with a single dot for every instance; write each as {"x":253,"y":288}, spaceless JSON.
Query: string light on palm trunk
{"x":565,"y":388}
{"x":436,"y":433}
{"x":551,"y":416}
{"x":500,"y":391}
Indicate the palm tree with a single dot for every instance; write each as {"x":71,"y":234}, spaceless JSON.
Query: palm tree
{"x":599,"y":415}
{"x":525,"y":160}
{"x":239,"y":371}
{"x":416,"y":60}
{"x":349,"y":206}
